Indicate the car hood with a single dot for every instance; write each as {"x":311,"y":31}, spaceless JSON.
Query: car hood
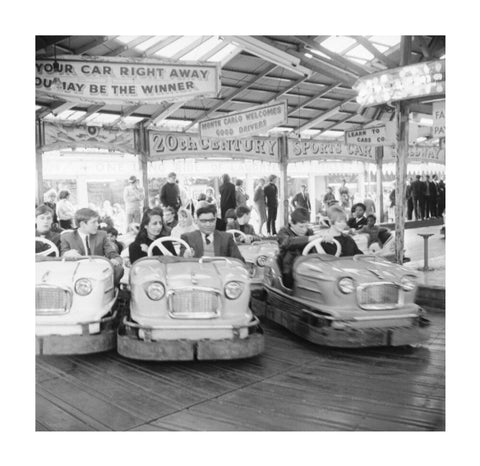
{"x":250,"y":252}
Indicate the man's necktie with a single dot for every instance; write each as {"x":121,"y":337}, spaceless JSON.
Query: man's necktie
{"x":89,"y":253}
{"x":207,"y":239}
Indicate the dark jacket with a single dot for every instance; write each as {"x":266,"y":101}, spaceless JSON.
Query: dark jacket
{"x":227,"y":197}
{"x":271,"y":194}
{"x":349,"y":246}
{"x":352,"y":222}
{"x":301,"y":200}
{"x":418,"y":189}
{"x":100,"y":245}
{"x":50,"y":235}
{"x":223,"y":244}
{"x":135,"y":251}
{"x":170,"y":195}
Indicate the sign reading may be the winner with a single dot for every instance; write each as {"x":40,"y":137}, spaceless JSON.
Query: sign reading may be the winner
{"x":125,"y":80}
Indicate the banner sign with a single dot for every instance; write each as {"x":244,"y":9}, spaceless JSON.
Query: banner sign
{"x":62,"y":136}
{"x":125,"y":80}
{"x":434,"y":154}
{"x":438,"y":130}
{"x":404,"y":83}
{"x":367,"y":137}
{"x":164,"y":146}
{"x":245,"y":123}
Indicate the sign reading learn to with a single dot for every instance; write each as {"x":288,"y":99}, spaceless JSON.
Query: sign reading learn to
{"x":125,"y":80}
{"x":368,"y":137}
{"x":246,"y":123}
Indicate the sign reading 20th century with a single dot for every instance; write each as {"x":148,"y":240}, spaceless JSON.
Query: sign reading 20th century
{"x":255,"y":120}
{"x":125,"y":80}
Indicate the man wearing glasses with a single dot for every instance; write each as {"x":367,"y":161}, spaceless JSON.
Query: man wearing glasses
{"x":207,"y":241}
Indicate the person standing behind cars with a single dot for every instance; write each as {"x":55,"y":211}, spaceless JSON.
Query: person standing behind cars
{"x":241,"y":197}
{"x":207,"y":241}
{"x":170,"y":193}
{"x":302,"y":199}
{"x":433,"y":197}
{"x":259,"y":203}
{"x":133,"y":196}
{"x":271,"y":196}
{"x":151,"y":228}
{"x":227,"y":196}
{"x":50,"y":198}
{"x":88,"y":240}
{"x":408,"y":196}
{"x":65,"y":210}
{"x":329,"y":197}
{"x":43,"y":228}
{"x":418,"y":197}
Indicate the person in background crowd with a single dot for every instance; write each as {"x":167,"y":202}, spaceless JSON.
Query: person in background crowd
{"x":133,"y":196}
{"x":329,"y":197}
{"x":50,"y":199}
{"x":210,"y":196}
{"x":292,"y":239}
{"x":88,"y":240}
{"x":432,"y":204}
{"x":241,"y":197}
{"x":185,"y":223}
{"x":131,"y":233}
{"x":418,"y":197}
{"x":369,"y":205}
{"x":151,"y":228}
{"x":227,"y":195}
{"x":65,"y":210}
{"x":259,"y":204}
{"x":370,"y":229}
{"x":344,"y":194}
{"x":409,"y":198}
{"x":391,"y":207}
{"x":112,"y":235}
{"x":170,"y":217}
{"x":119,"y":219}
{"x":106,"y":215}
{"x":271,"y":196}
{"x":43,"y":228}
{"x":207,"y":241}
{"x":441,"y":197}
{"x":170,"y":193}
{"x":242,"y":214}
{"x":358,"y":220}
{"x":302,"y":199}
{"x":184,"y":198}
{"x":428,"y":196}
{"x":230,"y":218}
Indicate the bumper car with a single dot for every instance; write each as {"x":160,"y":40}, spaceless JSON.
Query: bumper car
{"x":346,"y":302}
{"x":74,"y":300}
{"x":189,"y":309}
{"x":256,"y":255}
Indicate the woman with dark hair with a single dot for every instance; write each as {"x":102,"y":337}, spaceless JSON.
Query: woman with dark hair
{"x":151,"y":228}
{"x":227,"y":195}
{"x":65,"y":210}
{"x":241,"y":197}
{"x":259,"y":203}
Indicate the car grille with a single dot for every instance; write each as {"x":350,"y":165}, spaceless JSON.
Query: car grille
{"x":52,"y":300}
{"x":194,"y":304}
{"x":378,"y":296}
{"x":252,"y":269}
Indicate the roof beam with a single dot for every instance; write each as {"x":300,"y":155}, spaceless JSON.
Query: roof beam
{"x":160,"y":45}
{"x":164,"y":112}
{"x":42,"y":42}
{"x":90,"y":111}
{"x":339,"y":61}
{"x":325,"y":115}
{"x":127,"y":112}
{"x":190,"y":47}
{"x":53,"y":108}
{"x":213,"y":51}
{"x":129,"y":45}
{"x":289,"y":88}
{"x":92,"y":44}
{"x":231,"y":96}
{"x":335,"y":123}
{"x":315,"y":97}
{"x":375,"y":52}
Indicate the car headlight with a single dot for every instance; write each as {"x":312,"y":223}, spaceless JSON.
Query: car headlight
{"x":155,"y":291}
{"x":83,"y":286}
{"x":233,"y":289}
{"x":346,"y":285}
{"x":408,"y":282}
{"x":261,"y":261}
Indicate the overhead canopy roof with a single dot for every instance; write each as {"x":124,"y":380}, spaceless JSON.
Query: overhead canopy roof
{"x":315,"y":79}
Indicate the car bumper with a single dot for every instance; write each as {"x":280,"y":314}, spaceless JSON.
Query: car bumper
{"x":85,"y":343}
{"x":130,"y":345}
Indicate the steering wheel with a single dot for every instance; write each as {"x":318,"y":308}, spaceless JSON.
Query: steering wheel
{"x":158,"y":243}
{"x":317,"y":244}
{"x":238,"y":232}
{"x":52,"y":247}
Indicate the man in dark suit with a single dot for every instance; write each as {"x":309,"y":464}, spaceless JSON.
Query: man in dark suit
{"x":433,"y":197}
{"x":88,"y":240}
{"x":418,"y":196}
{"x":271,"y":200}
{"x":228,"y":198}
{"x":207,"y":241}
{"x":302,"y":199}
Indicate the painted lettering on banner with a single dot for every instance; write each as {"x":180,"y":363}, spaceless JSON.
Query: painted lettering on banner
{"x":367,"y":137}
{"x":245,"y":123}
{"x":125,"y":80}
{"x":438,"y":130}
{"x":307,"y":149}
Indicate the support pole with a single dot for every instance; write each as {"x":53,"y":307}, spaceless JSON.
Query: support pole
{"x":379,"y":177}
{"x":142,"y":152}
{"x":283,"y":201}
{"x":39,"y":170}
{"x":402,"y":110}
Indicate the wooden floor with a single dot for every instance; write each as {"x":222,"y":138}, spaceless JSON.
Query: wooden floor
{"x":293,"y":386}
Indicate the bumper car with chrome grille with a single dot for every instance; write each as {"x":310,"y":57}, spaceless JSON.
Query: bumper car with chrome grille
{"x":74,"y":300}
{"x":344,"y":302}
{"x":189,"y":309}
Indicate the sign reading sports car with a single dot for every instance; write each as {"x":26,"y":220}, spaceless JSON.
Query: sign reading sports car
{"x":125,"y":80}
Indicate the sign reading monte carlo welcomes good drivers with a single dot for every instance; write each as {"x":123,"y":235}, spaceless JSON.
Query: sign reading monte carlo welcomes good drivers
{"x":125,"y":80}
{"x":245,"y":123}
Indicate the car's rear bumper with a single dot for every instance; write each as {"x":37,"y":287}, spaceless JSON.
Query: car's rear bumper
{"x":131,"y":346}
{"x":85,"y":343}
{"x":324,"y":330}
